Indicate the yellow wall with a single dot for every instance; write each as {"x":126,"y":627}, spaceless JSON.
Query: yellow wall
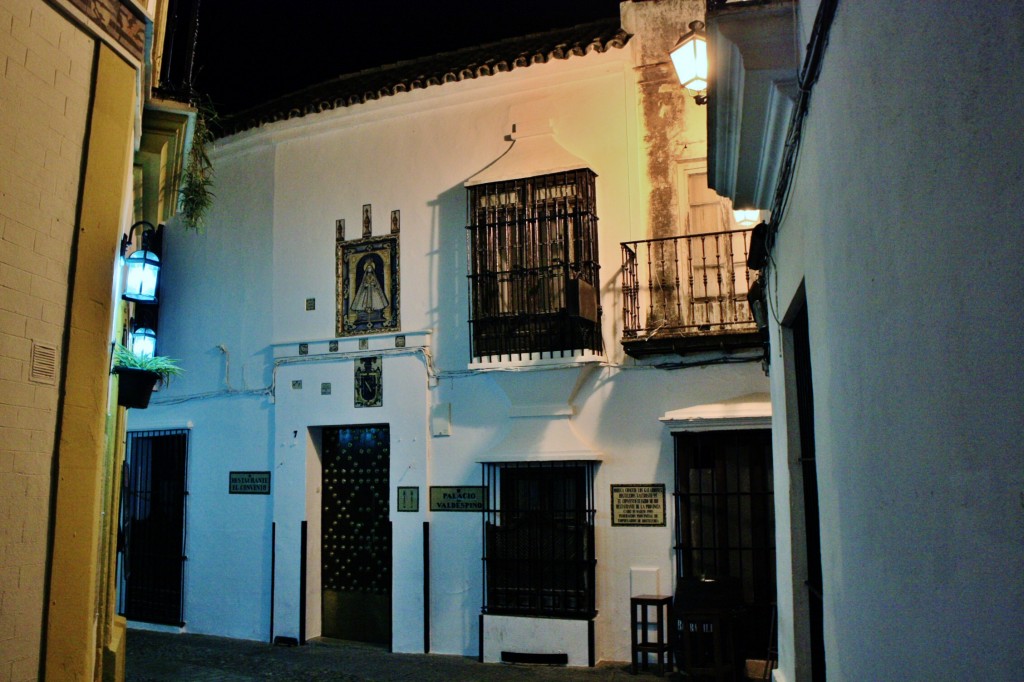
{"x":85,"y":452}
{"x":46,"y":67}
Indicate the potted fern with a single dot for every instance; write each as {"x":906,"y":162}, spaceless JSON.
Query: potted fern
{"x":138,"y":374}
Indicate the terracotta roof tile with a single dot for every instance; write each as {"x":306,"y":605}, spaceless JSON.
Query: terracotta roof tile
{"x":447,"y":67}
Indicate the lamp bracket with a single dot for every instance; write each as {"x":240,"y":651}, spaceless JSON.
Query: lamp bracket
{"x":126,"y":239}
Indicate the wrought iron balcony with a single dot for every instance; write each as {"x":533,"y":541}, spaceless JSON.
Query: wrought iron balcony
{"x":687,"y":294}
{"x":176,"y":56}
{"x":713,"y":5}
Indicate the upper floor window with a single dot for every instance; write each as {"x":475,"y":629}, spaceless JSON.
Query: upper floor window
{"x":533,"y":266}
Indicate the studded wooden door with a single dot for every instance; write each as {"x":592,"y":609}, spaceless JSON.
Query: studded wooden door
{"x":356,"y":540}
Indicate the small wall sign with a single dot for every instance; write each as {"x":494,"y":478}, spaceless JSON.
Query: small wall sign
{"x":249,"y":483}
{"x":408,"y":498}
{"x":457,"y":499}
{"x":638,"y":504}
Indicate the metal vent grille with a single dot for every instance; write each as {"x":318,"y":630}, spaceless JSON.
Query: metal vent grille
{"x":44,"y":364}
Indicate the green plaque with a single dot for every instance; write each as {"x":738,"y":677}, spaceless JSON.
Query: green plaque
{"x":249,"y":483}
{"x":408,"y":498}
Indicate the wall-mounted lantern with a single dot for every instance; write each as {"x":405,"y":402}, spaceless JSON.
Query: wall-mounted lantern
{"x":143,"y":266}
{"x":690,"y":57}
{"x":143,"y":342}
{"x":747,"y":217}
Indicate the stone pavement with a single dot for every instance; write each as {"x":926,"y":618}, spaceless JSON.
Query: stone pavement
{"x":155,"y":656}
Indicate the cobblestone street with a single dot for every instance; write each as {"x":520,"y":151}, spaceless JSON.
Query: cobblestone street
{"x":154,"y":656}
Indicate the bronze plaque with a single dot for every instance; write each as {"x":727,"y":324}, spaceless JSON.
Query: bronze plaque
{"x":638,"y":504}
{"x":465,"y":498}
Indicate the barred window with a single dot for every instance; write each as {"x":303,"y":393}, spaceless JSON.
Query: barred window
{"x":539,"y":539}
{"x":533,"y":266}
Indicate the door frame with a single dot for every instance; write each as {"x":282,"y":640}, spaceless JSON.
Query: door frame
{"x":312,"y":589}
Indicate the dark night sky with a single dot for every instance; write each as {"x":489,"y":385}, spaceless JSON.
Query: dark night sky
{"x":250,"y":51}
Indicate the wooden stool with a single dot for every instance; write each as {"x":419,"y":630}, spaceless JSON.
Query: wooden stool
{"x":642,"y":645}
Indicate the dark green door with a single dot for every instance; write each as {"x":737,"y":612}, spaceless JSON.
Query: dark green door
{"x":356,"y":541}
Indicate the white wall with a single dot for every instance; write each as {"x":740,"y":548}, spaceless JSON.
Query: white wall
{"x":212,"y":294}
{"x":903,"y":228}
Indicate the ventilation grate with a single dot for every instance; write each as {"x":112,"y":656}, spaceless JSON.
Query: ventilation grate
{"x":535,"y":659}
{"x":44,"y":364}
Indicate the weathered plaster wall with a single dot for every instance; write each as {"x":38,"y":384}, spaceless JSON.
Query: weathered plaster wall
{"x":674,"y":126}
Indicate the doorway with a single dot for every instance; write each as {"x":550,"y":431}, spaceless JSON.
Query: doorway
{"x":725,"y":530}
{"x":808,"y":472}
{"x":151,"y":537}
{"x":356,"y":534}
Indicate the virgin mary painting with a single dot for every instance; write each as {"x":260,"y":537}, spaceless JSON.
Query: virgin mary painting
{"x":369,"y":296}
{"x":368,"y":293}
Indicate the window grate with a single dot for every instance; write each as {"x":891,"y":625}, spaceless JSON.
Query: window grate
{"x":152,"y":529}
{"x":539,"y":557}
{"x":534,"y":266}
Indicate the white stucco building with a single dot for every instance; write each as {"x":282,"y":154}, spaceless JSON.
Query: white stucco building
{"x":883,"y":138}
{"x":337,"y":301}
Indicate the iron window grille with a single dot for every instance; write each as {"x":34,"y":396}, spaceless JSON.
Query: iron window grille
{"x":533,"y":266}
{"x":539,"y":557}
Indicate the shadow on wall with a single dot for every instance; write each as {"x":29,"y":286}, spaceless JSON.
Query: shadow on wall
{"x":448,"y":313}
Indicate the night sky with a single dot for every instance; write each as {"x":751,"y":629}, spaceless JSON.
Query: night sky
{"x":250,"y":51}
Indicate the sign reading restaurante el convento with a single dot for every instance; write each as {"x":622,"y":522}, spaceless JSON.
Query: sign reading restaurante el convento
{"x":249,"y":483}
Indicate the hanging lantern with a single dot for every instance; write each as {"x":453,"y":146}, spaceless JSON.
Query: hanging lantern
{"x":690,"y":58}
{"x":144,"y":342}
{"x":143,"y":271}
{"x":143,"y":267}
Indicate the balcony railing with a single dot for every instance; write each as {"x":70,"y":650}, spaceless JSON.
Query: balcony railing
{"x":690,"y":291}
{"x":714,"y":5}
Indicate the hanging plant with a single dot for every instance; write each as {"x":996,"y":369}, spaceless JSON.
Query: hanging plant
{"x":196,"y":196}
{"x":138,"y":374}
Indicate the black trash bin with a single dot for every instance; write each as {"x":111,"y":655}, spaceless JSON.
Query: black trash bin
{"x":706,"y":614}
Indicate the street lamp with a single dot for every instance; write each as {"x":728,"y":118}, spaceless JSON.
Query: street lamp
{"x":690,"y":57}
